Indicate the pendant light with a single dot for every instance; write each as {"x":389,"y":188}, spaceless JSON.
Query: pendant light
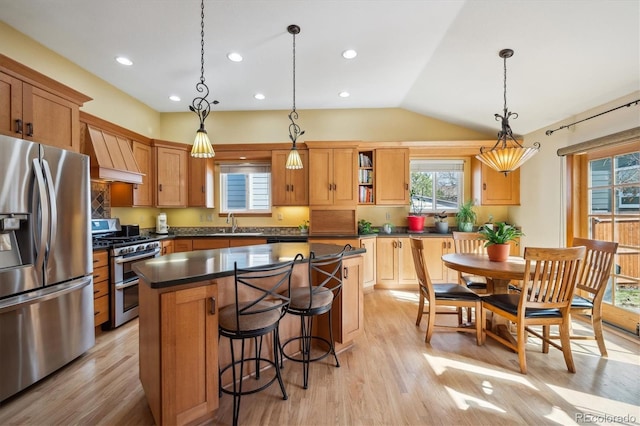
{"x":293,"y":160}
{"x":507,"y":154}
{"x":201,"y":106}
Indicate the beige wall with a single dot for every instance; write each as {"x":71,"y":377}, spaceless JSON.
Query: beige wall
{"x":541,"y":213}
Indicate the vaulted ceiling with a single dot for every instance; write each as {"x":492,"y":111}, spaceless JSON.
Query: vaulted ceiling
{"x":434,"y":57}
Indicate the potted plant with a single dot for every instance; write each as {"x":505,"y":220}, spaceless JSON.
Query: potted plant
{"x":498,"y":239}
{"x":466,"y":217}
{"x":364,"y":227}
{"x":441,"y":223}
{"x":415,"y":220}
{"x":304,"y":227}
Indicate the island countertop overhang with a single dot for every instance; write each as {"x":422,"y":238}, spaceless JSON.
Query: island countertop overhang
{"x":194,"y":266}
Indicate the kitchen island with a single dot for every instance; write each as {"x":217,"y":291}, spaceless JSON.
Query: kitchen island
{"x":178,"y":326}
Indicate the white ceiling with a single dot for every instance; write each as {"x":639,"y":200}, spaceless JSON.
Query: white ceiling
{"x":434,"y":57}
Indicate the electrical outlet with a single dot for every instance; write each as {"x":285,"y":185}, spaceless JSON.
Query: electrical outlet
{"x":209,"y":218}
{"x":279,"y":216}
{"x":388,"y":216}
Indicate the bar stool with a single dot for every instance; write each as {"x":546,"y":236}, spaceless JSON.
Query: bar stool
{"x":261,"y":300}
{"x":316,"y":298}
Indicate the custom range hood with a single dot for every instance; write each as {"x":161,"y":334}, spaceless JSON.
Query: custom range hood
{"x":111,"y":157}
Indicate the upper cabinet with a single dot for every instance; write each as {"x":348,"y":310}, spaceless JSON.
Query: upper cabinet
{"x":140,"y":194}
{"x":289,"y":187}
{"x":37,"y":108}
{"x":201,"y":189}
{"x":171,"y":174}
{"x":334,"y":177}
{"x":491,"y":188}
{"x":392,"y":176}
{"x":366,"y":177}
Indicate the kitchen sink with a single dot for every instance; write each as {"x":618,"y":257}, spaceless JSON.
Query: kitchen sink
{"x":237,"y":234}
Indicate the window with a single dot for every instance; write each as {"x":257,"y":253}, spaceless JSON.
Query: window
{"x":436,"y":185}
{"x":245,"y":188}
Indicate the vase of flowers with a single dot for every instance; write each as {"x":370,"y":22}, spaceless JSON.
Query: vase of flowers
{"x":304,"y":227}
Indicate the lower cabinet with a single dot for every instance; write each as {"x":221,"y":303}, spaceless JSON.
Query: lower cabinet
{"x":179,"y":352}
{"x":369,"y":262}
{"x":100,"y":288}
{"x":166,"y":247}
{"x":182,"y":245}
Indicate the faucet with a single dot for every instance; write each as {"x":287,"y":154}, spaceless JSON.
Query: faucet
{"x":234,"y":223}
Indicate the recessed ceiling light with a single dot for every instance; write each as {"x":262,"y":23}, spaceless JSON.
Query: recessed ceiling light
{"x":349,"y":54}
{"x":344,"y":94}
{"x":259,"y":96}
{"x":175,"y":98}
{"x":234,"y":57}
{"x":124,"y":61}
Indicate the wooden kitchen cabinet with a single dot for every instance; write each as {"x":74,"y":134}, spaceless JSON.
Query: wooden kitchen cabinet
{"x":171,"y":174}
{"x":35,"y":107}
{"x":182,"y":245}
{"x":136,"y":195}
{"x":179,"y":352}
{"x":100,"y":287}
{"x":491,"y":188}
{"x":201,"y":185}
{"x":334,"y":177}
{"x":369,"y":262}
{"x":394,"y":263}
{"x":434,"y":249}
{"x":289,"y":187}
{"x":392,"y":176}
{"x":166,"y":247}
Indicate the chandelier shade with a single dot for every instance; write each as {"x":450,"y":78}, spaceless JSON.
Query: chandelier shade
{"x":202,"y":147}
{"x":293,"y":160}
{"x":507,"y":154}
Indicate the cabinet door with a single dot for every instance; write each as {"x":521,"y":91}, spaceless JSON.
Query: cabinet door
{"x":434,"y":248}
{"x":492,"y":188}
{"x":50,"y":119}
{"x":352,"y":300}
{"x":407,"y":271}
{"x":182,"y":245}
{"x":321,"y":171}
{"x":345,"y":177}
{"x":189,"y":360}
{"x":167,"y":247}
{"x":201,"y":189}
{"x":210,"y":243}
{"x":10,"y":105}
{"x":289,"y":187}
{"x":369,"y":262}
{"x":143,"y":193}
{"x":171,"y":174}
{"x":386,"y":261}
{"x":392,"y":176}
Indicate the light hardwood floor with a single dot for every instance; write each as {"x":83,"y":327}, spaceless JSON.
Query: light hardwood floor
{"x":390,"y":377}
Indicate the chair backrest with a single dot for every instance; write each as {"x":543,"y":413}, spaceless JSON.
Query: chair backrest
{"x":325,"y":273}
{"x":550,"y":277}
{"x":469,"y":242}
{"x":426,"y":287}
{"x":597,"y":267}
{"x":263,"y":289}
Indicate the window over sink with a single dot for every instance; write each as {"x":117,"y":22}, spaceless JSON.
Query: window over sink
{"x":245,"y":188}
{"x":436,"y":185}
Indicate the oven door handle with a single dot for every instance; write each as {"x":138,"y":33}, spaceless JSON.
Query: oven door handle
{"x":147,"y":254}
{"x":127,"y":284}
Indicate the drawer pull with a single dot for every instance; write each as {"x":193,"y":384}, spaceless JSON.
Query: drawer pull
{"x":18,"y":126}
{"x":95,"y":314}
{"x":213,"y":306}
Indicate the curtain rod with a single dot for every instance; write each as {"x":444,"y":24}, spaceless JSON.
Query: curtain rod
{"x":550,"y":132}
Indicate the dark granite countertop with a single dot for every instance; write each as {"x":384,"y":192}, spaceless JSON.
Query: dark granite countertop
{"x":182,"y":268}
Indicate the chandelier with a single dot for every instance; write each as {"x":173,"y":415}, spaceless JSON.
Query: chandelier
{"x":200,"y":105}
{"x":507,"y":154}
{"x":293,"y":159}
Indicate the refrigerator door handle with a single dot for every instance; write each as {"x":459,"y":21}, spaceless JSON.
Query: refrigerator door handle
{"x":53,"y":207}
{"x":41,"y":242}
{"x":39,"y":296}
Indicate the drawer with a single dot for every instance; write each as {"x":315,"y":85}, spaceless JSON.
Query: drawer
{"x":100,"y":258}
{"x":182,"y":246}
{"x":100,"y":289}
{"x":100,"y":274}
{"x":100,"y":310}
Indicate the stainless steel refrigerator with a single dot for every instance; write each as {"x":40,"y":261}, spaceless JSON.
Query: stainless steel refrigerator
{"x":46,"y":287}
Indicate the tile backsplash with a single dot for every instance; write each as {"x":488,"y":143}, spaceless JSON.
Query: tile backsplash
{"x":100,"y":200}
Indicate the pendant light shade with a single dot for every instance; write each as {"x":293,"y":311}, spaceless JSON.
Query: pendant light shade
{"x":507,"y":154}
{"x":293,"y":160}
{"x":202,"y":147}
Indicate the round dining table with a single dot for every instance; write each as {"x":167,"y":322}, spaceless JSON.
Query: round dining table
{"x":498,"y":274}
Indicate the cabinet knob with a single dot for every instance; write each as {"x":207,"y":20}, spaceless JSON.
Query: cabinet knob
{"x":399,"y":244}
{"x":160,"y":187}
{"x":213,"y":306}
{"x":29,"y":129}
{"x":203,"y":191}
{"x":345,"y":272}
{"x":18,"y":126}
{"x":484,"y":186}
{"x":291,"y":188}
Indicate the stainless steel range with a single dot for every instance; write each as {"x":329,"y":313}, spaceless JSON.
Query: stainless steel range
{"x":124,"y":251}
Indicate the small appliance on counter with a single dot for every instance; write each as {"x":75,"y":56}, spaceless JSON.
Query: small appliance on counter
{"x":161,"y":224}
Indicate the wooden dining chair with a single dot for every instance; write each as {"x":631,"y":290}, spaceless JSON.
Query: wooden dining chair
{"x":449,"y":295}
{"x":592,"y":284}
{"x":550,"y":279}
{"x":470,"y":242}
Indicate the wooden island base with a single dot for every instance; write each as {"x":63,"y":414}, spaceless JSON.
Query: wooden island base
{"x":179,"y":347}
